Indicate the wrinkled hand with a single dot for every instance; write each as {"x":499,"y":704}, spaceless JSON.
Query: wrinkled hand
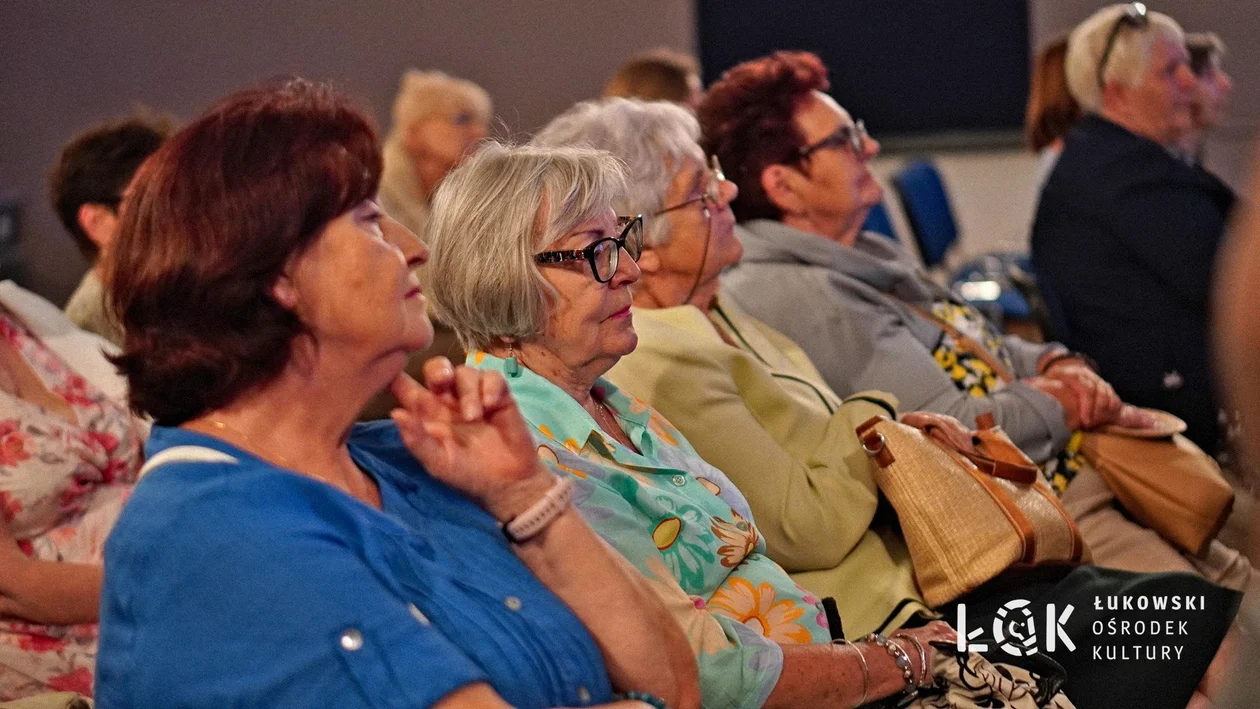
{"x":945,"y":429}
{"x":936,"y":631}
{"x":1097,"y":402}
{"x":1061,"y":393}
{"x":467,"y":431}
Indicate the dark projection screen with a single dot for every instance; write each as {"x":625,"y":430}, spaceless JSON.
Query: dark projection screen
{"x":908,"y":67}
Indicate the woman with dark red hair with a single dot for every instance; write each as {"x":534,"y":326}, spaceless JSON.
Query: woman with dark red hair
{"x":276,"y":554}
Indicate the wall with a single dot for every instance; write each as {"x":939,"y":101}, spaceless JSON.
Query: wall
{"x":67,"y":65}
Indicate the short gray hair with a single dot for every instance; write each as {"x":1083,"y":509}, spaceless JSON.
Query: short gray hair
{"x":652,"y":138}
{"x":491,"y":215}
{"x":1130,"y":56}
{"x":424,"y":93}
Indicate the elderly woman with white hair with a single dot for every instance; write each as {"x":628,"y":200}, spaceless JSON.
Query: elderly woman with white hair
{"x":753,"y":405}
{"x":1126,"y":232}
{"x":533,"y":269}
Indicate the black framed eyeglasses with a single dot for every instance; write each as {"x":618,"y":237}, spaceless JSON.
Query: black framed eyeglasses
{"x":712,"y":191}
{"x":853,"y":135}
{"x":603,"y":254}
{"x":1134,"y":16}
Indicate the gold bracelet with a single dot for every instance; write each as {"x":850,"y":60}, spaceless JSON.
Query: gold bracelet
{"x":923,"y":673}
{"x":866,"y":669}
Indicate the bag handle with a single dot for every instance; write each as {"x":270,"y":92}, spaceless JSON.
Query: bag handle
{"x":965,"y":343}
{"x":185,"y":454}
{"x":1007,"y":467}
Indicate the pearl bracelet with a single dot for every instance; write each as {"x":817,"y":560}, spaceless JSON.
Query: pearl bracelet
{"x":923,"y":668}
{"x":900,"y":657}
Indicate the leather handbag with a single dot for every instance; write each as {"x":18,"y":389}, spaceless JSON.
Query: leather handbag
{"x":968,"y":517}
{"x":1168,"y":485}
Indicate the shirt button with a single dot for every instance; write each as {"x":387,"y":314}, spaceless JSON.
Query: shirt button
{"x":679,"y":480}
{"x":584,"y":695}
{"x":513,"y":603}
{"x":351,"y":640}
{"x":417,"y":614}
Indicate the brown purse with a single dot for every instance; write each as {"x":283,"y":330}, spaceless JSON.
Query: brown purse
{"x":1167,"y":484}
{"x":968,"y":517}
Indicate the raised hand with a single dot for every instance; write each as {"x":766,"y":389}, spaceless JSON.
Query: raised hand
{"x":466,"y":430}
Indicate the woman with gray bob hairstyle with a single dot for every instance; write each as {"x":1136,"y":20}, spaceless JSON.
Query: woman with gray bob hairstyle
{"x":533,"y":269}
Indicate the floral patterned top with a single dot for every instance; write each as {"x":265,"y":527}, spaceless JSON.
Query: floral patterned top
{"x":683,"y":525}
{"x":975,"y":376}
{"x":62,"y":485}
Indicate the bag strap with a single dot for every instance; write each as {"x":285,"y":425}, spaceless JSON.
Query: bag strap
{"x":186,"y":454}
{"x":965,"y":343}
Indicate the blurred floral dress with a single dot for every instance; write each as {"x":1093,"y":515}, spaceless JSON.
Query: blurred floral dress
{"x":62,"y":485}
{"x":683,"y":525}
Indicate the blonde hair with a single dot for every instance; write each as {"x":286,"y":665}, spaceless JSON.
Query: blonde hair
{"x":1130,"y":55}
{"x":422,"y":94}
{"x":491,"y":215}
{"x":653,"y":140}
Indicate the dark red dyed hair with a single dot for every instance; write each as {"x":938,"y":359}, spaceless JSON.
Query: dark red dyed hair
{"x":746,"y":119}
{"x":210,"y":223}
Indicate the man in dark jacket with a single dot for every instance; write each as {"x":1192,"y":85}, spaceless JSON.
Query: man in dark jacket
{"x":1126,"y":233}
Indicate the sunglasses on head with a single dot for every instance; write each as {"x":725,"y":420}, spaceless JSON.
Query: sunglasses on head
{"x":1134,"y":16}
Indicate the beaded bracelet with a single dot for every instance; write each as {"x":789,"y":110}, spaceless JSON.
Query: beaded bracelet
{"x":923,"y":668}
{"x":900,"y":657}
{"x":642,"y":697}
{"x":866,"y":669}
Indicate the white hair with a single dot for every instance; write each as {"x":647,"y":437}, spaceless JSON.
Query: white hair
{"x":654,"y":139}
{"x":1130,"y":55}
{"x":424,"y":93}
{"x":502,"y":205}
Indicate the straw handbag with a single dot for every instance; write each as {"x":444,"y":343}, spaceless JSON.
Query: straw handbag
{"x":967,"y":518}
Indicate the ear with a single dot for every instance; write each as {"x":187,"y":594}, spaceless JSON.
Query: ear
{"x":285,"y":292}
{"x":650,"y":260}
{"x":99,"y":222}
{"x":779,"y":183}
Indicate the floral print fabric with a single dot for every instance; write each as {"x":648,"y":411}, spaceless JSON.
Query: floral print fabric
{"x":683,"y":525}
{"x":973,"y":375}
{"x":62,"y":485}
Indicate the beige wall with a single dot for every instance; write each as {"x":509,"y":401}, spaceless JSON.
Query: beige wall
{"x":66,"y":65}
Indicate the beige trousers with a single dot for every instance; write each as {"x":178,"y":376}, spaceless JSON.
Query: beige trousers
{"x":1117,"y":542}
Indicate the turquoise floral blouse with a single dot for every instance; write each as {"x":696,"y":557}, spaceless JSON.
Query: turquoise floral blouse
{"x":683,"y":525}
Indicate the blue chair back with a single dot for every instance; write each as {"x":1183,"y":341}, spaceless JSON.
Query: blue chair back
{"x":928,"y":211}
{"x":877,"y":221}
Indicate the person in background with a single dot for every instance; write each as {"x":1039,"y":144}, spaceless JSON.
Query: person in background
{"x":1236,"y":335}
{"x":1212,"y":89}
{"x":658,"y":75}
{"x":438,"y":119}
{"x":85,"y":188}
{"x":534,"y":271}
{"x":70,"y":452}
{"x":1051,"y":111}
{"x":1126,"y":232}
{"x":278,"y":555}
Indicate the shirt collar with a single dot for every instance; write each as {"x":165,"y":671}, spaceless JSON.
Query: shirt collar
{"x":561,"y":418}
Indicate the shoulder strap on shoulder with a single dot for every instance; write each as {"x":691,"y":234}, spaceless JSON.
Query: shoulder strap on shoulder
{"x":186,"y":454}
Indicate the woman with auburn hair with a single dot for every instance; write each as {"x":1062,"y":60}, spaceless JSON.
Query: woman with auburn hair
{"x":276,"y":554}
{"x":1051,"y":111}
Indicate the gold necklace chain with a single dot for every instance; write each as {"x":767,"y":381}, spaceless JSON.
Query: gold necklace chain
{"x":359,"y":490}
